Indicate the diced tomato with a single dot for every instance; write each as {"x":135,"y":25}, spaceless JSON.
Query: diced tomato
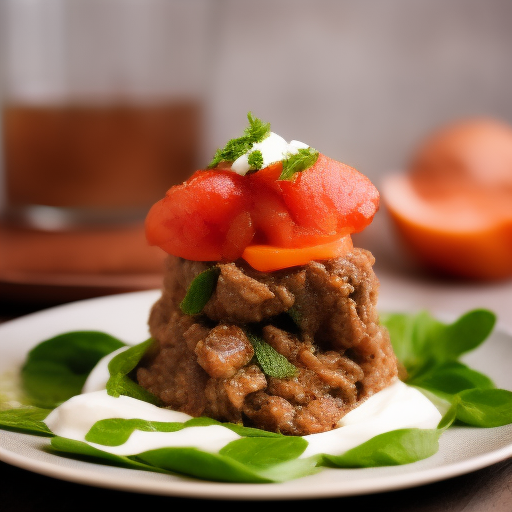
{"x":203,"y":219}
{"x":331,"y":197}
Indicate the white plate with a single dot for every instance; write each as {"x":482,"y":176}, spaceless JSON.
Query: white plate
{"x":461,"y":449}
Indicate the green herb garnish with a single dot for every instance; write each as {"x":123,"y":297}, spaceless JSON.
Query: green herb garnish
{"x":299,"y":162}
{"x":200,"y":290}
{"x":270,"y":360}
{"x":235,"y":148}
{"x":255,"y":160}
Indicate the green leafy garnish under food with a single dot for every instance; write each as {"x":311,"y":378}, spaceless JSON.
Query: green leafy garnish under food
{"x":87,"y":452}
{"x":200,"y":291}
{"x":116,"y":431}
{"x":26,"y":419}
{"x":422,"y":342}
{"x":430,"y":351}
{"x":389,"y":449}
{"x":271,"y":362}
{"x":299,"y":162}
{"x":235,"y":148}
{"x":56,"y":369}
{"x":484,"y":407}
{"x":263,"y":459}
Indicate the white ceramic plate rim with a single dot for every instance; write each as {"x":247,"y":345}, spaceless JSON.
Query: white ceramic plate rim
{"x":125,"y":316}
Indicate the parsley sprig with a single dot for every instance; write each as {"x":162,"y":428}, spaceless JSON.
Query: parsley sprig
{"x":298,"y":162}
{"x":255,"y":132}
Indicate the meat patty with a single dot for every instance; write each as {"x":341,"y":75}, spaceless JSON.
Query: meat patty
{"x":321,"y":317}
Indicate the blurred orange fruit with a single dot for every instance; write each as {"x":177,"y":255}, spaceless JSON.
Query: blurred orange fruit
{"x":453,"y":206}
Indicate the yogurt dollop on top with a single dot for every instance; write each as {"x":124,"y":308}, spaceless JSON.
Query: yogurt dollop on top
{"x":273,"y":149}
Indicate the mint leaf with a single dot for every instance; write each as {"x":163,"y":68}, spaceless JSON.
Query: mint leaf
{"x":271,"y":362}
{"x":26,"y":419}
{"x":255,"y":132}
{"x":200,"y":291}
{"x":299,"y":162}
{"x":121,"y":365}
{"x":56,"y":369}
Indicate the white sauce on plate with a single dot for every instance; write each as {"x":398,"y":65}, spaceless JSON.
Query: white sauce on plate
{"x":397,"y":406}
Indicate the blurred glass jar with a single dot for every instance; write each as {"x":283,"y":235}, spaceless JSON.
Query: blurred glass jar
{"x":102,"y":106}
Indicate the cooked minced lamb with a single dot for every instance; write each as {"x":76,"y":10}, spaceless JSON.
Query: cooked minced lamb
{"x":321,"y":317}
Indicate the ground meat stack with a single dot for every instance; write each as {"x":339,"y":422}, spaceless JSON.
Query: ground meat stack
{"x":288,"y":337}
{"x":321,"y":316}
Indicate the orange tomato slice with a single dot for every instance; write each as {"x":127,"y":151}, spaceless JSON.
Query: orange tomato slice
{"x":268,"y":258}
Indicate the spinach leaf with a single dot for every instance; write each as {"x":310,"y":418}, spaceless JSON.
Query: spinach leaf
{"x":430,"y":349}
{"x":260,"y":452}
{"x":26,"y":419}
{"x":422,"y":342}
{"x":450,"y":378}
{"x":484,"y":407}
{"x":121,"y":365}
{"x":250,"y":460}
{"x":201,"y":464}
{"x":389,"y":449}
{"x":56,"y":369}
{"x":85,"y":451}
{"x":116,"y":431}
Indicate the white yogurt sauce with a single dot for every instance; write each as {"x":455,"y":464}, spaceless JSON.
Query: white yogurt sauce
{"x":74,"y":418}
{"x":273,"y":149}
{"x":397,"y":406}
{"x":99,"y":376}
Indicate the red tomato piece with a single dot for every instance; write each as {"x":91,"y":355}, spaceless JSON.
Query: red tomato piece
{"x":331,"y":197}
{"x":203,"y":219}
